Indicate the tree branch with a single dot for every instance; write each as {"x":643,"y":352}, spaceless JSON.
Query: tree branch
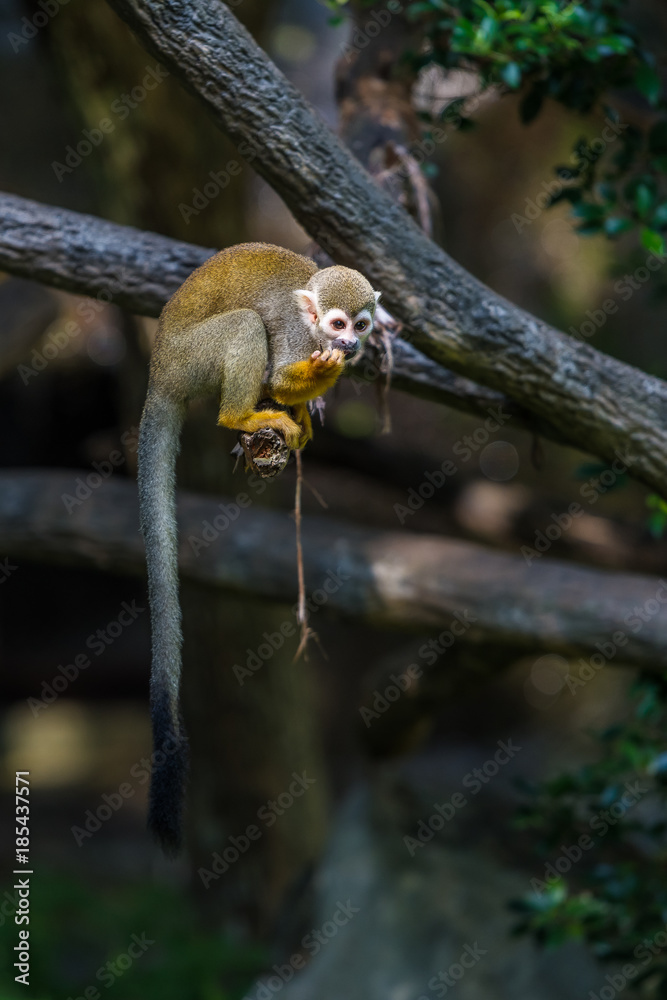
{"x":597,"y":403}
{"x":140,"y":270}
{"x":389,"y":579}
{"x":81,"y":253}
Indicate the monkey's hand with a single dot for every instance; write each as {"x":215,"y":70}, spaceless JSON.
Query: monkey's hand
{"x":324,"y":363}
{"x":304,"y":380}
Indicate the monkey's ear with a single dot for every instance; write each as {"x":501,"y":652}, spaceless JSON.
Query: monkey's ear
{"x":377,"y":296}
{"x":308,"y":303}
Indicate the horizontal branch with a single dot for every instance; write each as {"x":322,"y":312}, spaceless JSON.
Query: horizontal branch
{"x":389,"y":579}
{"x":139,"y":271}
{"x":597,"y":403}
{"x":83,"y":254}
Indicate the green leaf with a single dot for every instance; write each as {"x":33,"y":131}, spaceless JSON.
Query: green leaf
{"x":652,"y":241}
{"x":660,"y":216}
{"x":643,"y":199}
{"x":648,"y":83}
{"x":658,"y":765}
{"x":607,"y":192}
{"x":614,"y":45}
{"x":588,"y":211}
{"x":486,"y":32}
{"x":656,"y":524}
{"x":464,"y":32}
{"x":511,"y":74}
{"x":490,"y":12}
{"x":615,"y":225}
{"x":655,"y":501}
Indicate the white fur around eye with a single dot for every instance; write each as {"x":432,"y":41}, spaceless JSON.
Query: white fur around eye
{"x":331,"y":317}
{"x":334,"y":314}
{"x":363,"y":316}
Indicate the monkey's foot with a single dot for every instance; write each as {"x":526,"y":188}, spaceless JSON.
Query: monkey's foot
{"x":251,"y":422}
{"x":302,"y":417}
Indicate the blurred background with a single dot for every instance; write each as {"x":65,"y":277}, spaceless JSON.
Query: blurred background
{"x":341,"y":839}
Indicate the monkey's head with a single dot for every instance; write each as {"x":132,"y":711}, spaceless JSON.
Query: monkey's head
{"x":340,"y":304}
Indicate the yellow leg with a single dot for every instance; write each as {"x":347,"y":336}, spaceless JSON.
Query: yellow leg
{"x":254,"y":420}
{"x":302,"y":417}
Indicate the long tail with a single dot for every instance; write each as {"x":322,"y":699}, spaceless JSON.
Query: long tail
{"x":158,"y":447}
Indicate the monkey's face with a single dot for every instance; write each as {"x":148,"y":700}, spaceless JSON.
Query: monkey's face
{"x":339,"y":304}
{"x":335,"y":326}
{"x":346,"y":333}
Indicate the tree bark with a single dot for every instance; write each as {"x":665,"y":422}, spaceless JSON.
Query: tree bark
{"x":598,"y":403}
{"x":388,"y":579}
{"x":139,"y":271}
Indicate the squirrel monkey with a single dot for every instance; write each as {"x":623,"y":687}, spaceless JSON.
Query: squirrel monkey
{"x":254,"y":321}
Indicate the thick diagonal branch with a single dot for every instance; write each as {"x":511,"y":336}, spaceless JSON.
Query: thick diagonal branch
{"x":391,"y":579}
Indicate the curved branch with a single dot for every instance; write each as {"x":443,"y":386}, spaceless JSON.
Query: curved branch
{"x":596,"y":402}
{"x":390,"y":579}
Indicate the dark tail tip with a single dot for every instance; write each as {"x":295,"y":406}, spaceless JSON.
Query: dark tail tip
{"x":168,"y":778}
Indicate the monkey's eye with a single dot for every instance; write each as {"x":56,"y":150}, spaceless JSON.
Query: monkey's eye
{"x":361,"y":325}
{"x":338,"y":324}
